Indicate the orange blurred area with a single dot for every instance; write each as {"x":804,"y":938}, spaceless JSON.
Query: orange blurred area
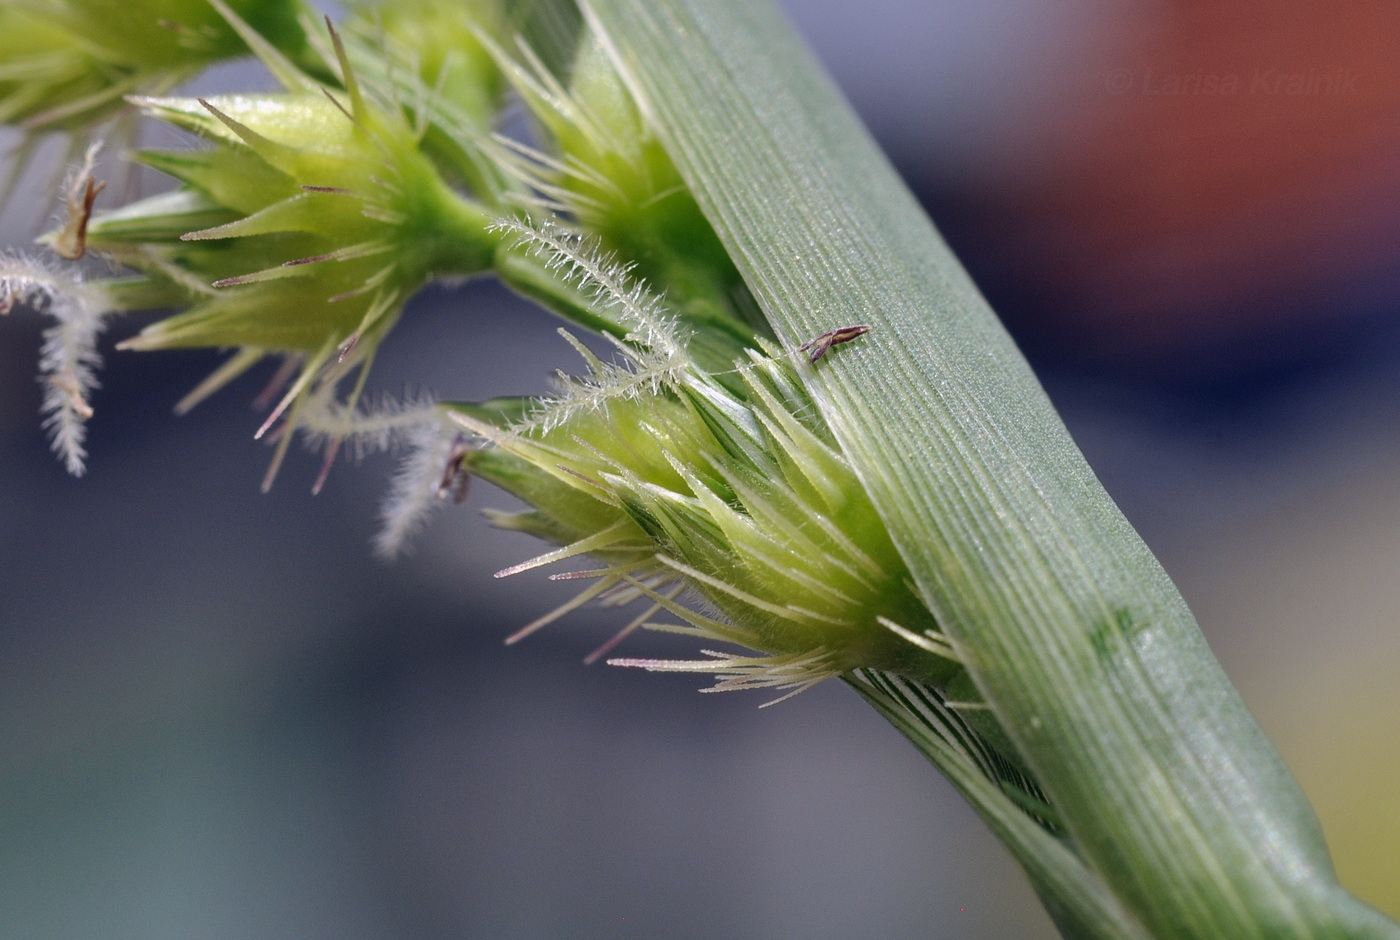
{"x":1210,"y":173}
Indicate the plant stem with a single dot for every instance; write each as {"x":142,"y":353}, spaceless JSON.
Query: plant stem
{"x":1071,"y":631}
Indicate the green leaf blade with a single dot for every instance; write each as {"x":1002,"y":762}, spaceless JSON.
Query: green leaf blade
{"x":1070,"y":628}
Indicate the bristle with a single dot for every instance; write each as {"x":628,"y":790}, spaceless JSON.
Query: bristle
{"x":68,"y":360}
{"x":412,"y":496}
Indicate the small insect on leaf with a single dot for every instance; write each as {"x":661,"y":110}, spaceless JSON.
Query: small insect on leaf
{"x":816,"y":348}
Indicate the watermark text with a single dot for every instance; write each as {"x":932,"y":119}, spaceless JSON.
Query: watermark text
{"x":1261,"y":81}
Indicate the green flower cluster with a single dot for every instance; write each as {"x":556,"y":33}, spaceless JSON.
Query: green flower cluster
{"x":302,"y":230}
{"x":308,"y":218}
{"x":742,"y":497}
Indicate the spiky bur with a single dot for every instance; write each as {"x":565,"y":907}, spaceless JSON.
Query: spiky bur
{"x":672,"y":483}
{"x":300,"y":231}
{"x":602,"y":167}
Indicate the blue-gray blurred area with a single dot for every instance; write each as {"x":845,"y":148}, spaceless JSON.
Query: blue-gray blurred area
{"x":220,"y":716}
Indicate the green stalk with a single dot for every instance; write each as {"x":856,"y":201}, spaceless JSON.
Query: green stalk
{"x":1179,"y":816}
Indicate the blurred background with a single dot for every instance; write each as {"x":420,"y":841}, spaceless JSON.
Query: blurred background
{"x":220,"y":716}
